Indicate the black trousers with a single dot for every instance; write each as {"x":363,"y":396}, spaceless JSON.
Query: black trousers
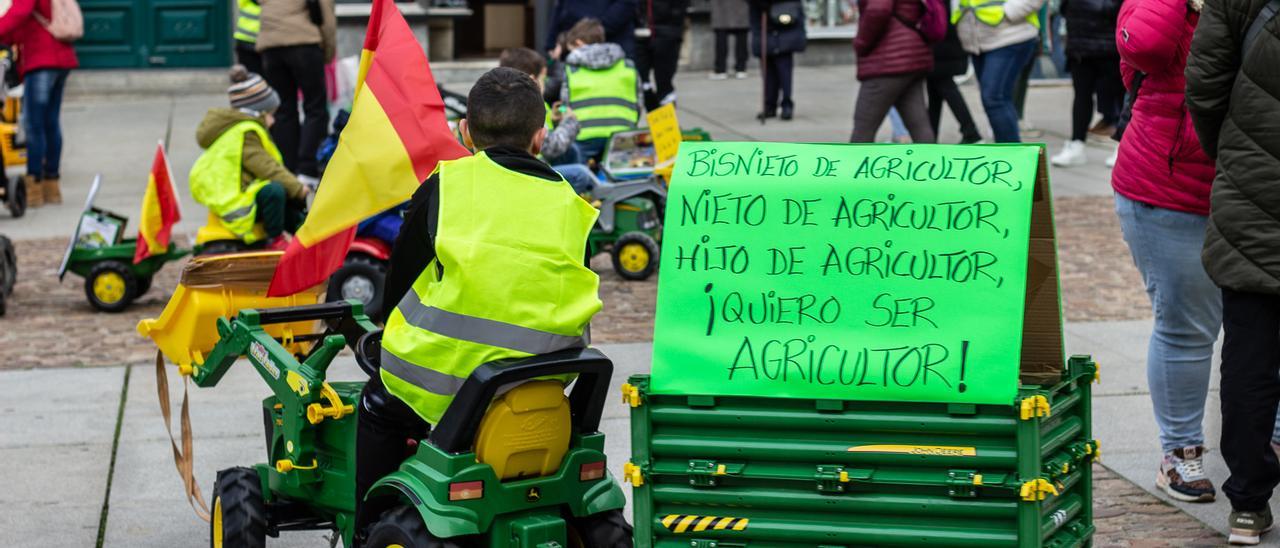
{"x":1250,"y":394}
{"x":385,"y":425}
{"x":1092,"y":76}
{"x":276,"y":212}
{"x":942,"y":88}
{"x":249,"y":57}
{"x":289,"y":70}
{"x":777,"y":80}
{"x":658,"y":56}
{"x":739,"y":50}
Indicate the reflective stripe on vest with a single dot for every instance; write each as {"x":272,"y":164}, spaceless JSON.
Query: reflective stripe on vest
{"x":990,"y":12}
{"x":507,"y":282}
{"x":247,"y":22}
{"x":603,"y":99}
{"x":215,"y":179}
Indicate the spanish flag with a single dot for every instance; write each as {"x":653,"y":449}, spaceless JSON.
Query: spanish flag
{"x":160,"y":210}
{"x":396,"y":135}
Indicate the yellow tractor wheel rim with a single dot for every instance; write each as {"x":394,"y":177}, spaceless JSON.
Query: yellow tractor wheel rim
{"x":108,"y":287}
{"x":633,"y":257}
{"x":394,"y":546}
{"x":217,"y":522}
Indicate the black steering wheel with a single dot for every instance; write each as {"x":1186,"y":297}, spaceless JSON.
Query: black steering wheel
{"x":369,"y":353}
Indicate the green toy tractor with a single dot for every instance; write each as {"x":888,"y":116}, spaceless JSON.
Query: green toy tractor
{"x":630,"y":226}
{"x":521,"y":468}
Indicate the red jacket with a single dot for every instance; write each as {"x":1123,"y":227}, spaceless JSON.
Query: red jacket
{"x":37,"y":49}
{"x":885,"y":44}
{"x":1160,"y":160}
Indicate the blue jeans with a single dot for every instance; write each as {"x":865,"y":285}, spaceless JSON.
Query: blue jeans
{"x":593,"y":148}
{"x":42,"y":101}
{"x":998,"y":71}
{"x":579,"y":176}
{"x":1187,"y":306}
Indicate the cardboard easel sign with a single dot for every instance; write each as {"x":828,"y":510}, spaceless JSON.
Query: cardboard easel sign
{"x":858,"y":272}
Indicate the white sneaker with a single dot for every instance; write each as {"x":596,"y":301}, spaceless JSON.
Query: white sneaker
{"x":1111,"y":160}
{"x":740,"y":74}
{"x":719,"y":76}
{"x":1072,"y":155}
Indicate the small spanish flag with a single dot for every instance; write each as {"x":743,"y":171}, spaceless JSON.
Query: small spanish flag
{"x":160,"y":210}
{"x":396,"y":135}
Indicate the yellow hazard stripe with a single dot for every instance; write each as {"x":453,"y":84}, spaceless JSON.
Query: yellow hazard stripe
{"x":684,"y":524}
{"x":741,"y":525}
{"x":667,"y":521}
{"x":724,"y":523}
{"x":702,"y":525}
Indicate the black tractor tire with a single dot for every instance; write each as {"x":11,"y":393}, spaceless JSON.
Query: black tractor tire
{"x":632,"y":247}
{"x":111,"y":301}
{"x":604,"y":530}
{"x":16,"y":198}
{"x":144,"y":285}
{"x":403,"y":526}
{"x":8,"y":266}
{"x":239,"y":510}
{"x":360,"y":269}
{"x":223,"y":247}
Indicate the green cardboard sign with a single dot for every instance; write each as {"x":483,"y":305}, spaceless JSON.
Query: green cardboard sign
{"x":847,"y":272}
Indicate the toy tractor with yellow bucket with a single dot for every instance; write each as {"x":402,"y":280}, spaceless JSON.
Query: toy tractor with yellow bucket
{"x":521,"y":468}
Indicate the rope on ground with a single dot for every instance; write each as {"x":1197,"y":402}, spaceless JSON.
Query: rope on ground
{"x":182,"y":458}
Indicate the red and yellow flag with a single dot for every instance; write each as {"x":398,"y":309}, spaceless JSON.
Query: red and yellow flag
{"x":160,"y":210}
{"x":396,"y":135}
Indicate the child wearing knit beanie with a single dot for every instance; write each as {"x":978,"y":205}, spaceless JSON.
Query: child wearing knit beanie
{"x":253,"y":181}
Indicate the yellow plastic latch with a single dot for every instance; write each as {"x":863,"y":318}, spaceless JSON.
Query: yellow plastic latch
{"x":720,"y":470}
{"x":284,"y":466}
{"x":630,"y":395}
{"x":1066,"y":467}
{"x":631,"y":474}
{"x":186,"y":370}
{"x":316,"y":413}
{"x":1096,"y":447}
{"x":1097,"y":372}
{"x":1037,"y":489}
{"x":977,"y":479}
{"x":1035,"y":406}
{"x":844,"y":476}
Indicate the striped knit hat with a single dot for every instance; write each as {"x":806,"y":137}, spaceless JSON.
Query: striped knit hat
{"x":249,"y":91}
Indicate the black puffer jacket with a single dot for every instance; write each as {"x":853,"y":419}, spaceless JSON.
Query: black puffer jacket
{"x":1235,"y":105}
{"x":1091,"y":27}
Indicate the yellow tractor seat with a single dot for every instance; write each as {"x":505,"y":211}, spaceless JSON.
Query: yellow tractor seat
{"x":213,"y":231}
{"x":525,"y":433}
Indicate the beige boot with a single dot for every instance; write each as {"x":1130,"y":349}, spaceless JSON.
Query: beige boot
{"x":52,"y":191}
{"x":35,"y":194}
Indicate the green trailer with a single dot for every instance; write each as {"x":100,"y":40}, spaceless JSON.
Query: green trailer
{"x":728,"y":471}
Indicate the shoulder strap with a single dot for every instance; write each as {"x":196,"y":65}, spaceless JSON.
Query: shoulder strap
{"x":1268,"y":13}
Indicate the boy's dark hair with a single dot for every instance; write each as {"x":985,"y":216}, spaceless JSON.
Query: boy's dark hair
{"x":504,"y":108}
{"x":588,"y":30}
{"x":524,"y":60}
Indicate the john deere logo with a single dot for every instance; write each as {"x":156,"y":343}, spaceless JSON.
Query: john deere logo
{"x":533,"y":494}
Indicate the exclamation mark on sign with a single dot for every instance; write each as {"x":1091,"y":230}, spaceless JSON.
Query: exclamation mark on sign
{"x":964,"y":358}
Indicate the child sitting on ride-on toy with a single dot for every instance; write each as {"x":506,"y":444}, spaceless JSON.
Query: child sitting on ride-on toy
{"x":488,"y":265}
{"x":240,"y":176}
{"x":601,"y":86}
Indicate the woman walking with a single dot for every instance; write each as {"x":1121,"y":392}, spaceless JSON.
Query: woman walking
{"x":777,"y":34}
{"x":893,"y":62}
{"x":44,"y":62}
{"x":729,"y":19}
{"x":1161,"y":182}
{"x":1002,"y":37}
{"x":1095,"y":70}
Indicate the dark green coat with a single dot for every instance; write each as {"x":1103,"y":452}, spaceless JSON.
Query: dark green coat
{"x":1235,"y":104}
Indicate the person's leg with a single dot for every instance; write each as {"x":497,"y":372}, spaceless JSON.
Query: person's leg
{"x":740,"y":53}
{"x":933,"y":88}
{"x":722,"y":51}
{"x":592,"y":148}
{"x":665,"y":64}
{"x":898,"y":129}
{"x":785,"y":65}
{"x":1250,"y":392}
{"x":308,"y":68}
{"x":53,"y":138}
{"x":579,"y":177}
{"x":271,"y":205}
{"x":1024,"y":80}
{"x":1110,"y":89}
{"x":295,"y":212}
{"x":36,"y":102}
{"x":1165,"y":246}
{"x":384,"y":426}
{"x":285,"y":132}
{"x":914,"y":111}
{"x":644,"y":68}
{"x":875,"y":97}
{"x":771,"y":85}
{"x":998,"y":71}
{"x":249,"y":57}
{"x":1084,"y":78}
{"x":955,"y":100}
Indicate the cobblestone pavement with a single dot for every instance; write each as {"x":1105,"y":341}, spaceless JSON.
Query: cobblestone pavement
{"x":1128,"y":517}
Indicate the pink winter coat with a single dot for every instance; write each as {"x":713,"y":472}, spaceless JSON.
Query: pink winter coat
{"x":1160,"y":161}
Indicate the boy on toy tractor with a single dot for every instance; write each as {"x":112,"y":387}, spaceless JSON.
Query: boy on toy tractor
{"x":488,"y":265}
{"x":253,"y":199}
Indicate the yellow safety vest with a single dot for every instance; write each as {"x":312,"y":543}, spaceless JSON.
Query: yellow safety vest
{"x":990,"y":12}
{"x":603,"y":99}
{"x":215,"y":179}
{"x":507,"y":281}
{"x":248,"y":21}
